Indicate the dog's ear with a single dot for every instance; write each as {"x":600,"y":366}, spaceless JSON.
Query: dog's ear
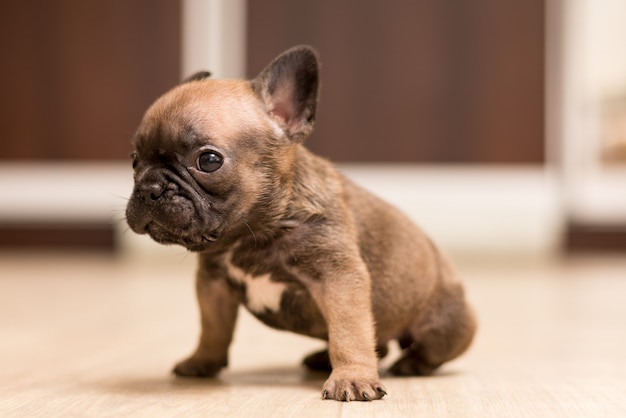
{"x":288,"y":88}
{"x":200,"y":75}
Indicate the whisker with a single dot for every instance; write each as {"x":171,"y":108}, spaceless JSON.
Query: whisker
{"x":184,"y":255}
{"x":252,"y":232}
{"x":121,"y":197}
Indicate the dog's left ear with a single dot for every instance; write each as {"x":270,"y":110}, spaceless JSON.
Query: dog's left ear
{"x":288,"y":87}
{"x":200,"y":75}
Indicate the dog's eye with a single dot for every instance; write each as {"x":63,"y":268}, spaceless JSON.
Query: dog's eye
{"x":210,"y":161}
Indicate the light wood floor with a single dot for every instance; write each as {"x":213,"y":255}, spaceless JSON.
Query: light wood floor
{"x":96,"y":336}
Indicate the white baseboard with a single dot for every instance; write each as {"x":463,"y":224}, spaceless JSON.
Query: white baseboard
{"x":474,"y":210}
{"x":64,"y":192}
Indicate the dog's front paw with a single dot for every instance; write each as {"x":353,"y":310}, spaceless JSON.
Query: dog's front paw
{"x":198,"y":367}
{"x":352,"y":386}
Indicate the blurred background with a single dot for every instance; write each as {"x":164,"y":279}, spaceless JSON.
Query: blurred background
{"x":499,"y":126}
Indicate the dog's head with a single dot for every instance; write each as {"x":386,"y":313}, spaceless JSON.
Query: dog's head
{"x":213,"y":157}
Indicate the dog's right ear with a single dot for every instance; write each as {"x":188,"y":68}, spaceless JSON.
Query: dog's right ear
{"x":200,"y":75}
{"x":288,"y":88}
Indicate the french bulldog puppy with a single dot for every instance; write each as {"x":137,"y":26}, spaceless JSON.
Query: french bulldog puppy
{"x":221,"y":170}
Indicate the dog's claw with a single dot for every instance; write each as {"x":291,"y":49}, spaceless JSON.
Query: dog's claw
{"x":352,"y":387}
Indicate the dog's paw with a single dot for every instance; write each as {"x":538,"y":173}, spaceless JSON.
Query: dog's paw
{"x":413,"y":363}
{"x":407,"y":366}
{"x":351,"y":386}
{"x":198,"y":367}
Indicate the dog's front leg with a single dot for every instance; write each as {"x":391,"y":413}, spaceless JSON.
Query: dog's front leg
{"x":344,"y":297}
{"x":219,"y":304}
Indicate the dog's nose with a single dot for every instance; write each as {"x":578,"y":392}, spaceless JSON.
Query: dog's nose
{"x":151,"y":193}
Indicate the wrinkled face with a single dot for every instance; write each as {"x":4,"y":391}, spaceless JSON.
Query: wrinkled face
{"x":205,"y":159}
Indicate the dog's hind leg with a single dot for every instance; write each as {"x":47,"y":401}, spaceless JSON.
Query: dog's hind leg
{"x":440,"y":334}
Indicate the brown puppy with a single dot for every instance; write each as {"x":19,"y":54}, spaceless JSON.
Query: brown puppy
{"x":221,"y":170}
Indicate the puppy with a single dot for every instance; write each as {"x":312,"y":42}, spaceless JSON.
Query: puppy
{"x":221,"y":170}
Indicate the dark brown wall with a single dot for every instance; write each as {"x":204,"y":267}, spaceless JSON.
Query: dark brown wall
{"x":77,"y":75}
{"x":426,"y":81}
{"x":419,"y":81}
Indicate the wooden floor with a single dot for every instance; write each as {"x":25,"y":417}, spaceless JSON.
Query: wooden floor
{"x":88,"y":335}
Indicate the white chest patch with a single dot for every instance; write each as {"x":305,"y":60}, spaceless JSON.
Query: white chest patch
{"x":261,"y":292}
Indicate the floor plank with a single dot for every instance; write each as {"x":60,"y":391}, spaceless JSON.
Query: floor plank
{"x":96,"y":335}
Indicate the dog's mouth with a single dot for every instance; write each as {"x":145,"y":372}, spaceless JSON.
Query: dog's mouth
{"x":192,"y":240}
{"x":174,"y":218}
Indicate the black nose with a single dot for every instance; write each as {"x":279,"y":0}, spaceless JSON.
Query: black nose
{"x":151,"y":193}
